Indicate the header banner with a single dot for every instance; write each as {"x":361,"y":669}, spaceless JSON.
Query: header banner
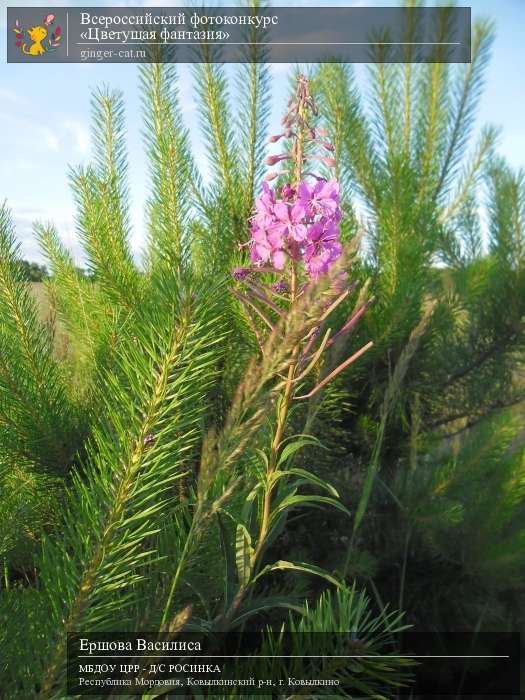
{"x":238,"y":34}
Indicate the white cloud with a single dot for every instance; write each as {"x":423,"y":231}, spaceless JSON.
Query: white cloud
{"x":49,"y":138}
{"x":68,"y":134}
{"x":62,"y":217}
{"x":185,"y":92}
{"x":9,"y":96}
{"x":80,"y":134}
{"x":27,"y":165}
{"x":26,"y":133}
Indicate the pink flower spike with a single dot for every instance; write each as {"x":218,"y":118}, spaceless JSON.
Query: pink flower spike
{"x":297,"y":221}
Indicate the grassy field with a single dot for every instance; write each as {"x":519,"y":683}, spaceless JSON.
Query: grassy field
{"x":39,"y":289}
{"x":48,"y":316}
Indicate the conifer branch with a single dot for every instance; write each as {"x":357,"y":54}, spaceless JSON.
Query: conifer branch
{"x":34,"y":399}
{"x":172,"y":171}
{"x":153,"y":407}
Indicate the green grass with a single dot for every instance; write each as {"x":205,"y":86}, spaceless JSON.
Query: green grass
{"x":48,"y":316}
{"x":41,"y":295}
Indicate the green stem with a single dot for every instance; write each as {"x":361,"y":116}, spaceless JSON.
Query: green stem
{"x":6,"y":575}
{"x":404,"y":568}
{"x":284,"y":404}
{"x":282,"y":415}
{"x":182,"y":561}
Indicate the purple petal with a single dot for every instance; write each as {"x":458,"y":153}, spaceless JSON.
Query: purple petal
{"x":279,"y":259}
{"x":282,"y":212}
{"x":298,"y":213}
{"x":263,"y":252}
{"x":305,"y":191}
{"x":275,"y":238}
{"x":299,"y":232}
{"x":319,"y":187}
{"x":315,"y":231}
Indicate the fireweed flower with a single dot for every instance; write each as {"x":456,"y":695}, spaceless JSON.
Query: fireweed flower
{"x":290,"y":220}
{"x":295,"y":234}
{"x":266,"y":202}
{"x":323,"y":247}
{"x":321,"y":198}
{"x":297,"y":223}
{"x":267,"y":243}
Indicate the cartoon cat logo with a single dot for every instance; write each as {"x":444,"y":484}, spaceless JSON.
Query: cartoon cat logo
{"x":38,"y":35}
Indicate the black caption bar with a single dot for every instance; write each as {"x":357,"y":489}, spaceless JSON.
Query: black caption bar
{"x":236,"y":35}
{"x":452,"y":664}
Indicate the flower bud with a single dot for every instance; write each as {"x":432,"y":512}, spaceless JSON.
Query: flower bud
{"x":272,"y":160}
{"x":241,"y":273}
{"x":281,"y":287}
{"x":287,"y":191}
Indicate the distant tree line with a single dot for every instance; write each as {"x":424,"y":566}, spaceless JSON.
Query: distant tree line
{"x":33,"y":272}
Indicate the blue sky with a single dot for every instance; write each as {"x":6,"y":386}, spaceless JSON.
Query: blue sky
{"x":44,"y":117}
